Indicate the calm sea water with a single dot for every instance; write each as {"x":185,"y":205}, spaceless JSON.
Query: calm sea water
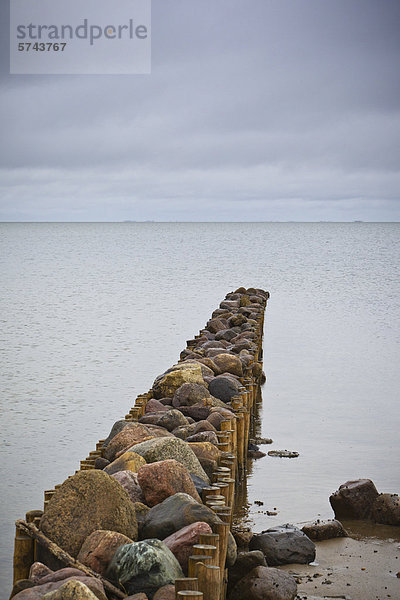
{"x":91,"y":313}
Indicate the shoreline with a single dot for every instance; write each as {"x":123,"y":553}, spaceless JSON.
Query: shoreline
{"x":349,"y":568}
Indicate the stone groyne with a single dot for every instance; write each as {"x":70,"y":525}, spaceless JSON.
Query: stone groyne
{"x":149,"y":514}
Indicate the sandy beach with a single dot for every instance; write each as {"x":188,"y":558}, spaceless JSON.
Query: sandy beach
{"x":353,"y":569}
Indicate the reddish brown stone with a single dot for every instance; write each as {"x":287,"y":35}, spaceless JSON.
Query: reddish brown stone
{"x":181,"y":542}
{"x":164,"y":478}
{"x":154,"y":405}
{"x":205,"y":450}
{"x":99,"y":548}
{"x":133,"y":433}
{"x":129,"y":482}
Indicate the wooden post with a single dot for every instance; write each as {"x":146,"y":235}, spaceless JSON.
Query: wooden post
{"x":208,"y":550}
{"x":204,"y":558}
{"x":186,"y":583}
{"x":209,"y":581}
{"x":24,"y":554}
{"x":189,"y":594}
{"x":212,"y":539}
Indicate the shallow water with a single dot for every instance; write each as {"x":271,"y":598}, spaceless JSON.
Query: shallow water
{"x":91,"y":313}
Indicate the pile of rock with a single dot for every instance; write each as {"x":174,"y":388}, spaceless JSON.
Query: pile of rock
{"x":359,"y":499}
{"x":135,"y":513}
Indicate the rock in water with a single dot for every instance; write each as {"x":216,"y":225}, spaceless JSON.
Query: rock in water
{"x":99,"y":548}
{"x":263,"y":583}
{"x":324,"y":530}
{"x":165,"y":478}
{"x":158,"y":449}
{"x":285,"y":544}
{"x":88,"y":501}
{"x":144,"y":567}
{"x":354,"y":499}
{"x":386,"y":509}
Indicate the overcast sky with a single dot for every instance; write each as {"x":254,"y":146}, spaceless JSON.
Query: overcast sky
{"x":269,"y":110}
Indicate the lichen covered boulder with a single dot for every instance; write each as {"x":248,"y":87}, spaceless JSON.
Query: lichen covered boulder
{"x":165,"y":385}
{"x":157,"y":449}
{"x":88,"y":501}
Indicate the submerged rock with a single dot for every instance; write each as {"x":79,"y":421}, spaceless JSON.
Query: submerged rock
{"x":144,"y":567}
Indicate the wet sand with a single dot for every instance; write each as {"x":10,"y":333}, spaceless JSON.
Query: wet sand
{"x":356,"y":569}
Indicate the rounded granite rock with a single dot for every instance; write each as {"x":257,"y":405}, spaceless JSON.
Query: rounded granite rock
{"x":88,"y":501}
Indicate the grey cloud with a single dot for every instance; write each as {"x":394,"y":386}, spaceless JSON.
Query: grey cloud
{"x":248,"y":105}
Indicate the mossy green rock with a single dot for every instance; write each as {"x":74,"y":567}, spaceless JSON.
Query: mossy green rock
{"x":144,"y":567}
{"x":158,"y":449}
{"x":88,"y":501}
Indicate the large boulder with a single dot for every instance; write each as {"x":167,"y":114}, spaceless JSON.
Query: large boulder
{"x":158,"y":449}
{"x":177,"y":512}
{"x":182,"y":541}
{"x":165,"y":385}
{"x":164,"y":478}
{"x":189,"y":394}
{"x":99,"y":548}
{"x":229,"y":363}
{"x":88,"y":501}
{"x":129,"y":461}
{"x":144,"y":567}
{"x":386,"y":509}
{"x":130,"y":483}
{"x":224,"y":387}
{"x":282,"y":545}
{"x":354,"y":499}
{"x":264,"y":583}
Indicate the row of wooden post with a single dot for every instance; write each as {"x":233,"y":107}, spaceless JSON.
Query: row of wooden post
{"x":207,"y":575}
